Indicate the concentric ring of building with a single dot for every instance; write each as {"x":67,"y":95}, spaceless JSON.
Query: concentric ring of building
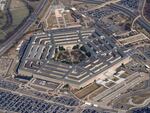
{"x":37,"y":59}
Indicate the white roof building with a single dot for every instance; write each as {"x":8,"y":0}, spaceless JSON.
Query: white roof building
{"x":2,"y":4}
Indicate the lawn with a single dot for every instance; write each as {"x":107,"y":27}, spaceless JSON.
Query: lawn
{"x":2,"y":23}
{"x":19,"y":12}
{"x":2,"y":18}
{"x":87,"y":90}
{"x":2,"y":35}
{"x":140,"y":98}
{"x":98,"y":91}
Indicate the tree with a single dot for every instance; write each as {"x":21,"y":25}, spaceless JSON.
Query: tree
{"x":88,"y":54}
{"x":82,"y":48}
{"x":122,"y":65}
{"x":61,"y":48}
{"x":128,"y":26}
{"x":76,"y":47}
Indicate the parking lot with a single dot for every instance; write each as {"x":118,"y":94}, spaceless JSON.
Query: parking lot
{"x":52,"y":97}
{"x":100,"y":13}
{"x":45,"y":84}
{"x":8,"y":85}
{"x":97,"y":110}
{"x":132,"y":4}
{"x":25,"y":104}
{"x":69,"y":101}
{"x":90,"y":111}
{"x":5,"y":65}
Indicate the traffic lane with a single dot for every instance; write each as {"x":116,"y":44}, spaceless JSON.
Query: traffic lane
{"x":17,"y":35}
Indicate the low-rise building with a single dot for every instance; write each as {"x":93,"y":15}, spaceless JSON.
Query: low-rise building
{"x":2,"y":4}
{"x":38,"y":61}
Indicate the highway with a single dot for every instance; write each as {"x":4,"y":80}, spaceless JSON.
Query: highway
{"x":141,"y":21}
{"x":104,"y":4}
{"x":130,"y":94}
{"x":20,"y":32}
{"x":114,"y":93}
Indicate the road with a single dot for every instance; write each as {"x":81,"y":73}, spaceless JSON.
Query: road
{"x":115,"y":91}
{"x":103,"y":4}
{"x":141,"y":21}
{"x":130,"y":94}
{"x":20,"y":32}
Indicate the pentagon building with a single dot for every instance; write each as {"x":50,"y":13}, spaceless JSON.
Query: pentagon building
{"x":37,"y":58}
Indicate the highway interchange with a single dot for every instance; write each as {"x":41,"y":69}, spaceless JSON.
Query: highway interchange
{"x":22,"y":29}
{"x":141,"y":21}
{"x":28,"y":23}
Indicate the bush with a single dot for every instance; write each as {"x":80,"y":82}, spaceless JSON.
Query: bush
{"x":61,"y":48}
{"x":76,"y":47}
{"x":82,"y":48}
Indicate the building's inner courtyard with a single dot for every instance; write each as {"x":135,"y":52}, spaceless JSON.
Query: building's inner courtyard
{"x":74,"y":55}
